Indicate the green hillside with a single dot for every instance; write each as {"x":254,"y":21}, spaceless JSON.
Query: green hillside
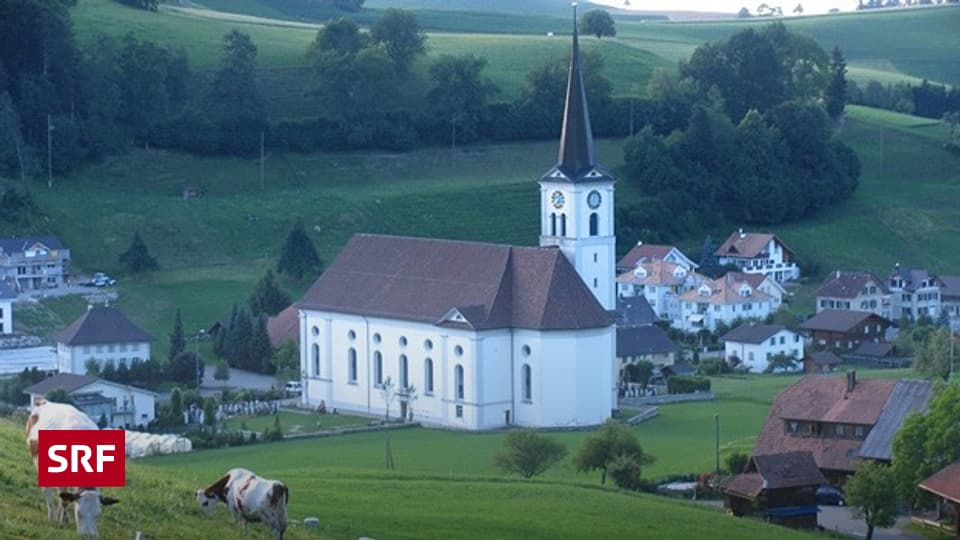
{"x":158,"y":501}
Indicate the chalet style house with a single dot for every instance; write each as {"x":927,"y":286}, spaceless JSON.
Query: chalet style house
{"x":844,"y":329}
{"x":654,"y":252}
{"x":765,"y":284}
{"x":779,"y":488}
{"x":34,"y":263}
{"x":721,"y":300}
{"x":855,"y":291}
{"x":661,"y":283}
{"x":913,"y":292}
{"x":757,"y":253}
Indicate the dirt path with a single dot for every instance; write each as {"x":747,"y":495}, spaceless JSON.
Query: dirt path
{"x":236,"y":17}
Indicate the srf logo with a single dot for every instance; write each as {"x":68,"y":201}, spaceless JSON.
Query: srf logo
{"x":81,"y":457}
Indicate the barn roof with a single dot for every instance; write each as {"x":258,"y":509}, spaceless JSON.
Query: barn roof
{"x":907,"y":397}
{"x":945,"y":483}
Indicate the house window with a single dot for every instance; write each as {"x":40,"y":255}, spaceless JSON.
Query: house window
{"x":110,"y":348}
{"x":99,"y":348}
{"x":793,"y":426}
{"x":773,"y":341}
{"x":377,"y":368}
{"x":352,"y":366}
{"x":750,"y":356}
{"x":377,"y":339}
{"x":527,"y":383}
{"x":594,"y":257}
{"x":428,"y":376}
{"x":316,"y":360}
{"x":351,"y":335}
{"x":403,"y":341}
{"x":458,"y":351}
{"x":858,"y":432}
{"x":428,"y":345}
{"x":796,"y":338}
{"x":594,"y":283}
{"x":823,"y":303}
{"x":838,"y":429}
{"x":458,"y":382}
{"x":594,"y":224}
{"x":459,"y":411}
{"x":404,"y":383}
{"x":716,"y":308}
{"x":525,"y":350}
{"x":782,"y":339}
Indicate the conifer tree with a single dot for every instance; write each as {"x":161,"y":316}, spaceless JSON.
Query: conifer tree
{"x":267,"y":296}
{"x":260,"y":348}
{"x":178,"y":342}
{"x":836,"y":93}
{"x":298,"y":257}
{"x":137,"y":259}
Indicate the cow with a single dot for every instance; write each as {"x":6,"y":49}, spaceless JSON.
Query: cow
{"x":248,"y":497}
{"x":88,"y":501}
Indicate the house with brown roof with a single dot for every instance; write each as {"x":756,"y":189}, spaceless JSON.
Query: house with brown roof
{"x":102,"y":333}
{"x":641,"y":253}
{"x":764,"y":284}
{"x":661,"y":283}
{"x":945,"y":484}
{"x":840,"y":420}
{"x":779,"y":488}
{"x":721,"y":300}
{"x":482,"y":335}
{"x":821,"y":362}
{"x":284,"y":327}
{"x":856,"y":291}
{"x":759,"y":253}
{"x":753,"y":345}
{"x":845,"y":329}
{"x":121,"y":405}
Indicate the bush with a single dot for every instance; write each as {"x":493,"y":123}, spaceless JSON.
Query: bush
{"x":528,"y":453}
{"x":679,"y":384}
{"x":713,"y":367}
{"x":736,"y":462}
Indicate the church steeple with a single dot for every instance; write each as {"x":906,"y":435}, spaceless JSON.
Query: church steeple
{"x":577,"y":160}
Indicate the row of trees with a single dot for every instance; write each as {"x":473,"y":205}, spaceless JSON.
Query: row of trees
{"x":926,"y":99}
{"x":244,"y":342}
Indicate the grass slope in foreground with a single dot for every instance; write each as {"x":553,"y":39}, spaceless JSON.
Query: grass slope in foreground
{"x":159,"y":502}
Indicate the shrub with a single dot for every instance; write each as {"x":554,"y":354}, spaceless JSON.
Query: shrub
{"x":679,"y":384}
{"x":528,"y":453}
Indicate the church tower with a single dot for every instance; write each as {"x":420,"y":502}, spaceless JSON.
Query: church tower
{"x":576,"y":195}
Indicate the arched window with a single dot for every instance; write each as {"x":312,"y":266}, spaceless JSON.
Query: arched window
{"x":563,"y":224}
{"x":316,"y":360}
{"x":404,"y":382}
{"x":594,"y":224}
{"x":377,"y":368}
{"x":527,"y":383}
{"x":458,"y":382}
{"x":553,"y":224}
{"x":428,"y":376}
{"x":352,"y":365}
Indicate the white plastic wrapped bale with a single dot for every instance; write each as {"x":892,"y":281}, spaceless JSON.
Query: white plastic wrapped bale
{"x":150,"y":444}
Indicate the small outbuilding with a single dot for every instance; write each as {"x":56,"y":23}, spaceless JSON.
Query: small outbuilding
{"x":821,"y":362}
{"x":946,"y":485}
{"x":779,"y":488}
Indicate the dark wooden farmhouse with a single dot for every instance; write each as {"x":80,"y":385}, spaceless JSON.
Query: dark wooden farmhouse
{"x":780,"y":488}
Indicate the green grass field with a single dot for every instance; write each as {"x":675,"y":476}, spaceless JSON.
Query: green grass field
{"x":294,"y":423}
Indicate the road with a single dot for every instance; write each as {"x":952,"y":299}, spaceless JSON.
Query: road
{"x":238,"y":379}
{"x":838,"y":518}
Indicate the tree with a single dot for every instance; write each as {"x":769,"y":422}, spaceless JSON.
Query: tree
{"x":137,"y":259}
{"x":933,"y":355}
{"x":399,"y":33}
{"x":222,"y":373}
{"x":102,"y":422}
{"x":460,"y":94}
{"x":600,"y":448}
{"x":597,"y":22}
{"x":639,"y":372}
{"x":737,"y":462}
{"x":234,"y":101}
{"x":744,"y":13}
{"x":871,"y":494}
{"x":176,"y":402}
{"x":183,"y":369}
{"x":298,"y":257}
{"x":109,"y":371}
{"x":261,"y":351}
{"x":626,"y":472}
{"x":178,"y":342}
{"x":341,"y":36}
{"x":781,"y":362}
{"x":528,"y":454}
{"x":835,"y":95}
{"x":59,"y":395}
{"x":798,"y":10}
{"x":287,"y":361}
{"x":12,"y":147}
{"x":209,"y":412}
{"x":267,"y":296}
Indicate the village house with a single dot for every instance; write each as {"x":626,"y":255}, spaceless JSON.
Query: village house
{"x":754,"y":345}
{"x":654,"y":252}
{"x":722,"y":300}
{"x":845,"y":329}
{"x":102,"y":333}
{"x":121,"y":405}
{"x":34,"y":263}
{"x":661,"y":283}
{"x":764,"y":284}
{"x":7,"y":297}
{"x":945,"y":484}
{"x":913,"y":292}
{"x":821,"y":362}
{"x":841,"y":421}
{"x":779,"y":488}
{"x":759,"y":253}
{"x":856,"y":291}
{"x":950,"y":296}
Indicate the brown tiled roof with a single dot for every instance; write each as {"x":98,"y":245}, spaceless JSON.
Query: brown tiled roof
{"x":788,"y":469}
{"x":838,"y":320}
{"x":99,"y":325}
{"x":641,"y":252}
{"x":659,"y":272}
{"x":423,"y":280}
{"x":284,"y":326}
{"x":825,"y":358}
{"x":945,"y":483}
{"x":747,"y":485}
{"x":877,"y":350}
{"x":823,"y":398}
{"x":68,"y":381}
{"x":747,"y":245}
{"x":725,"y":290}
{"x":752,"y":333}
{"x":848,"y":284}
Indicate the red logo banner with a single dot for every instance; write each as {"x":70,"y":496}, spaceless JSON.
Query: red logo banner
{"x":81,"y":458}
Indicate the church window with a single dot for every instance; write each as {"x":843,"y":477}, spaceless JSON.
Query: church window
{"x":594,"y":224}
{"x":553,"y":224}
{"x":594,"y":257}
{"x":428,"y":345}
{"x":428,"y":376}
{"x":525,"y":350}
{"x":403,"y":341}
{"x":351,"y":335}
{"x":459,"y":411}
{"x":404,"y":381}
{"x":563,"y":224}
{"x":377,"y":368}
{"x":352,"y":365}
{"x":595,"y":283}
{"x":458,"y":382}
{"x":458,"y":350}
{"x":527,"y":383}
{"x":316,"y":360}
{"x":376,"y":338}
{"x":315,"y":331}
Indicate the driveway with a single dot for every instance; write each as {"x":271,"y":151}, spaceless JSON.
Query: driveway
{"x":238,"y":379}
{"x":838,"y":518}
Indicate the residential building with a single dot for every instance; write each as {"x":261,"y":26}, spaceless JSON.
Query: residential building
{"x":654,"y":252}
{"x":950,"y":296}
{"x":121,"y":405}
{"x":913,"y":292}
{"x":722,"y":300}
{"x":102,"y":333}
{"x":779,"y":488}
{"x":856,"y":291}
{"x":945,"y":484}
{"x":877,"y":355}
{"x":649,"y":343}
{"x":490,"y":335}
{"x":821,"y":362}
{"x":845,"y":329}
{"x":759,"y":253}
{"x":34,"y":263}
{"x":754,"y":345}
{"x":841,"y":421}
{"x":661,"y":283}
{"x":634,"y":311}
{"x":765,"y":284}
{"x":7,"y":297}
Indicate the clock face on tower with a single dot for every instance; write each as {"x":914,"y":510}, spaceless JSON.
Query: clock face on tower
{"x":556,"y":198}
{"x":593,"y":199}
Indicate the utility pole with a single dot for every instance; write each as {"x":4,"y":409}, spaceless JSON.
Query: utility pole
{"x":49,"y":153}
{"x":262,"y":185}
{"x":716,"y":420}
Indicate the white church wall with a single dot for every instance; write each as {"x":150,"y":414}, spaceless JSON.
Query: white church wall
{"x":493,"y":379}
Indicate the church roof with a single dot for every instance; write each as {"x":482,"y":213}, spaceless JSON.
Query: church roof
{"x":577,"y":159}
{"x":460,"y":284}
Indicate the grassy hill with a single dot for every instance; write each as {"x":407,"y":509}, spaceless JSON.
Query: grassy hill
{"x":352,"y":502}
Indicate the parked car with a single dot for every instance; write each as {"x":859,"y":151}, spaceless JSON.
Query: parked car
{"x":829,"y":496}
{"x":102,"y":280}
{"x":294,"y":387}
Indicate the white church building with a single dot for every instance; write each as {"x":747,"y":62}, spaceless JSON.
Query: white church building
{"x":473,"y":335}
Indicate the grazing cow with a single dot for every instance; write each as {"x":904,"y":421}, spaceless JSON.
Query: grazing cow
{"x":249,"y":497}
{"x":89,"y":502}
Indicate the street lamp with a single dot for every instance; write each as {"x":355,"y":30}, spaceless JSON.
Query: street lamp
{"x":196,"y":354}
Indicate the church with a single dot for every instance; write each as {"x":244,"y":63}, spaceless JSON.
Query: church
{"x":472,"y":335}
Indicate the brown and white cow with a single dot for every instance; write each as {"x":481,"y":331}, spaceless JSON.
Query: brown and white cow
{"x":88,"y":501}
{"x":249,"y":497}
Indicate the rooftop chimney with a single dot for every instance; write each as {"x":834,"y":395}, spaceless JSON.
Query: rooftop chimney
{"x":851,"y":380}
{"x":741,"y":233}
